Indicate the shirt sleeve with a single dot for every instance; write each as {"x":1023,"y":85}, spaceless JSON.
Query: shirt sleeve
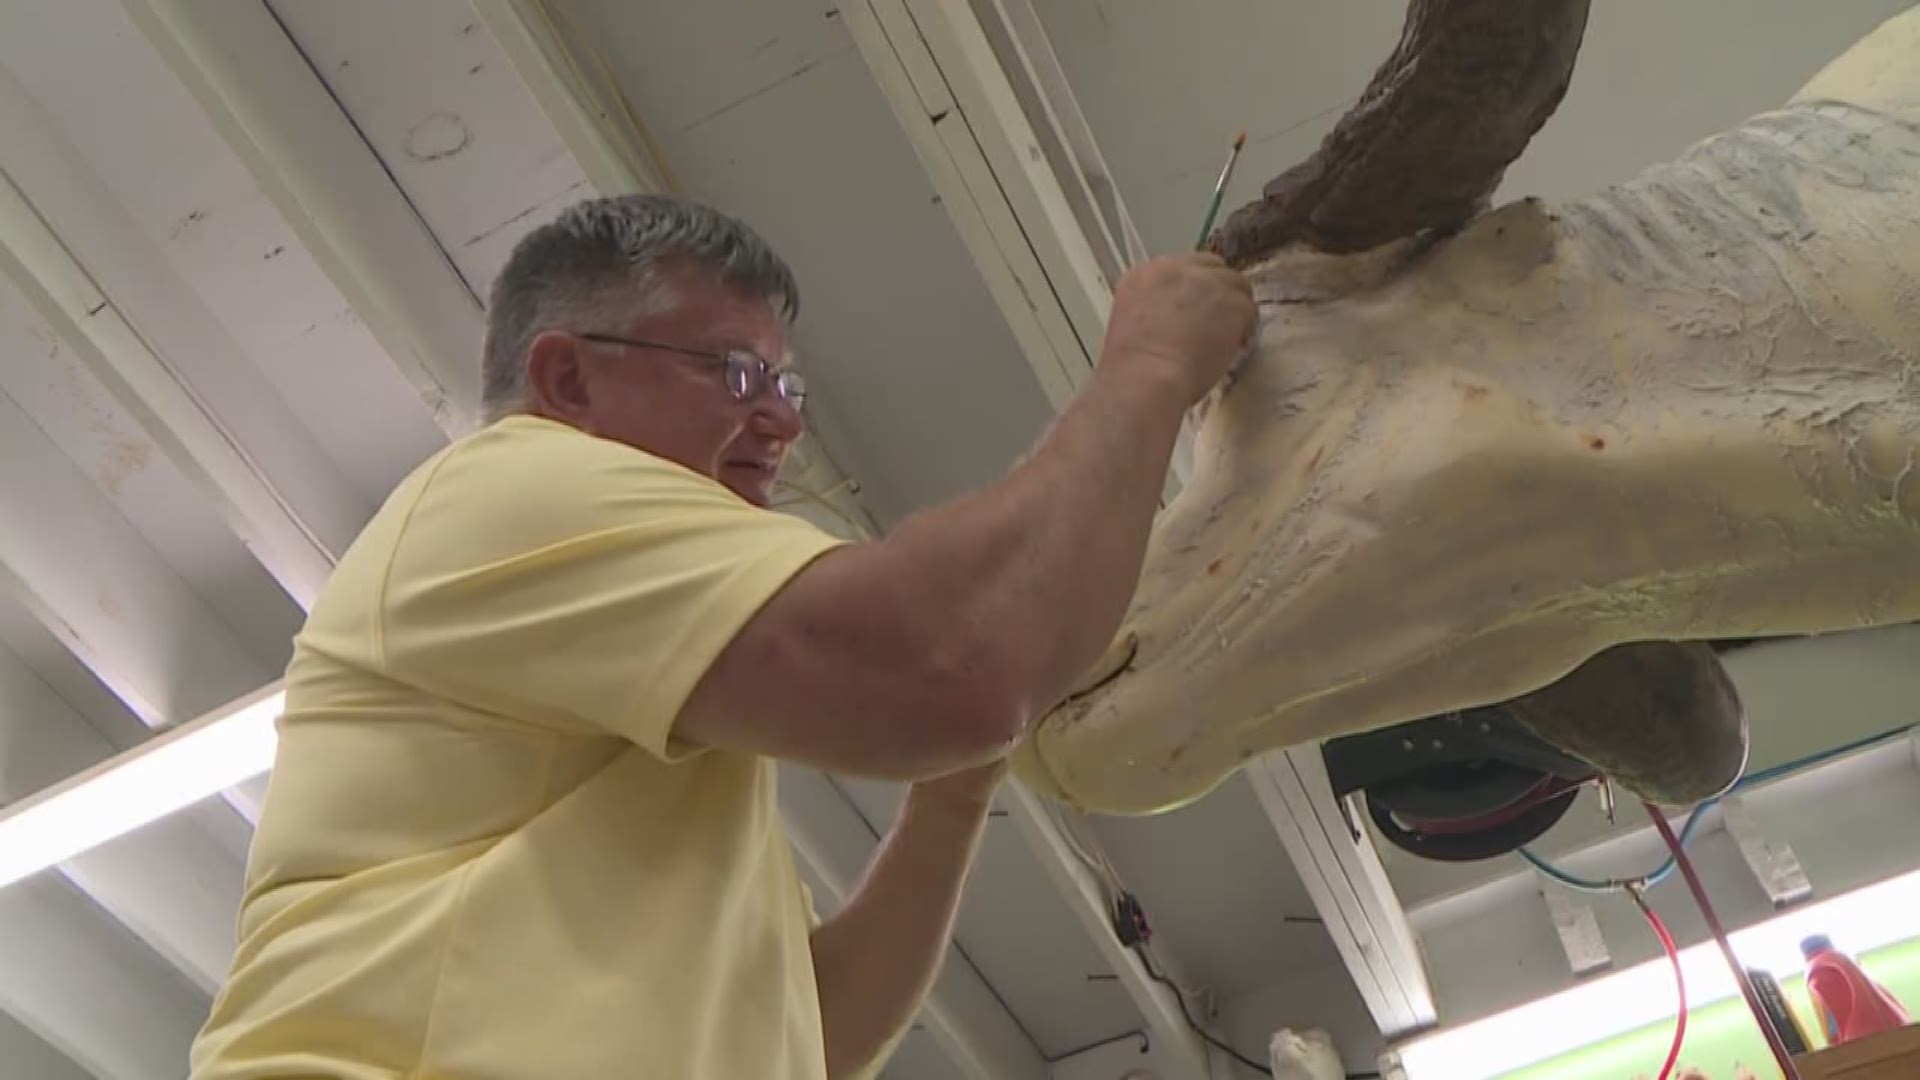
{"x":559,"y":579}
{"x":809,"y":908}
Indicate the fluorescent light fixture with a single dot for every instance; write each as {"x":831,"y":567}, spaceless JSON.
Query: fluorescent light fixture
{"x":169,"y":772}
{"x":1859,"y":921}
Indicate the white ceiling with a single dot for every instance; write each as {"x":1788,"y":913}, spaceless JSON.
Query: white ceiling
{"x":135,"y":589}
{"x":1165,"y":86}
{"x":922,"y":392}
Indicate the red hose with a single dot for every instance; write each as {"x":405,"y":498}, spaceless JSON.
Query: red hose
{"x":1780,"y":1056}
{"x":1679,"y":981}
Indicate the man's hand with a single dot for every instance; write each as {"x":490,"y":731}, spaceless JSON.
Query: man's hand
{"x":1182,"y":317}
{"x":876,"y":958}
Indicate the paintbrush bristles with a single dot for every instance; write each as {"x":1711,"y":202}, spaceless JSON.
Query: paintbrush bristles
{"x":1220,"y":188}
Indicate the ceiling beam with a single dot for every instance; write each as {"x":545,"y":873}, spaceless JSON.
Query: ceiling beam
{"x":983,"y":159}
{"x":305,"y":153}
{"x":982,"y":98}
{"x":1336,"y":860}
{"x":1039,"y":81}
{"x":27,"y":1054}
{"x":56,"y":220}
{"x":173,"y":886}
{"x":575,"y":98}
{"x":72,"y":978}
{"x":97,"y":585}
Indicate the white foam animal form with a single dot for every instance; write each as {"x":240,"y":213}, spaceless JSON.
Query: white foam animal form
{"x":1463,"y":461}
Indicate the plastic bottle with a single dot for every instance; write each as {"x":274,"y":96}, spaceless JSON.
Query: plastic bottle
{"x":1850,"y":1005}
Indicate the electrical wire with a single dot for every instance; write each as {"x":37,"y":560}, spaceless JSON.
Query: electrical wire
{"x":1665,"y":869}
{"x":1101,"y":866}
{"x":1099,"y":852}
{"x":1221,"y":1045}
{"x":1679,"y":978}
{"x":1610,"y":885}
{"x":1828,"y":754}
{"x":636,"y":127}
{"x":823,"y":500}
{"x":1760,"y":1020}
{"x":1180,"y":996}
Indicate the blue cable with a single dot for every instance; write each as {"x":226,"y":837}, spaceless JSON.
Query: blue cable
{"x":1666,"y":868}
{"x":1581,"y":884}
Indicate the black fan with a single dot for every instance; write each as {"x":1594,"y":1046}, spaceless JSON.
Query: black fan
{"x":1458,"y":787}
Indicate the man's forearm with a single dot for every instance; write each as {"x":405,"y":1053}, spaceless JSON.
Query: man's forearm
{"x":928,"y":651}
{"x":875,"y":960}
{"x":1040,"y":566}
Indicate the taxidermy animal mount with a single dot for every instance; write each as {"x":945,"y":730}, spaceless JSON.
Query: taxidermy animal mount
{"x":1536,"y":455}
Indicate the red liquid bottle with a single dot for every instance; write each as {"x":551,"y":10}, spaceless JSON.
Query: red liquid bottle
{"x":1850,"y":1005}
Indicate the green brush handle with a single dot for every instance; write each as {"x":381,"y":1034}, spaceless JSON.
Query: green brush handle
{"x":1206,"y":227}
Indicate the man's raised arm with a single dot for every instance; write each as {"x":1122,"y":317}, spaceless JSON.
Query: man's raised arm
{"x":931,"y":649}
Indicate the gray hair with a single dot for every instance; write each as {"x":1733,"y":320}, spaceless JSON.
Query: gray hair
{"x":598,"y":260}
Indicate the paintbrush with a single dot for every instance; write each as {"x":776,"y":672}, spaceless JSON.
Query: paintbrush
{"x":1220,"y":189}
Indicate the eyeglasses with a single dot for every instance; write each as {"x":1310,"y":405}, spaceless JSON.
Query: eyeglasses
{"x":747,"y":375}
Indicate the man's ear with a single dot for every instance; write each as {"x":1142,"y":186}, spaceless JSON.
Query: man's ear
{"x":556,"y":382}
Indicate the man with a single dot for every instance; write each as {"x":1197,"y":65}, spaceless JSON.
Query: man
{"x":523,"y":820}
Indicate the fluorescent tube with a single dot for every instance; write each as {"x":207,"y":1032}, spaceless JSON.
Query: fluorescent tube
{"x":169,"y":772}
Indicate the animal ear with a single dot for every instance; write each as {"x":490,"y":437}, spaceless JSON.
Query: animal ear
{"x":1429,"y":139}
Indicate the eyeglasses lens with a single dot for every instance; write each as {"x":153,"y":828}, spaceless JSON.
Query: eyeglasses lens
{"x":747,"y":375}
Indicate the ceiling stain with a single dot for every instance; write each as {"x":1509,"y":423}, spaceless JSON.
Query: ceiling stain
{"x":438,"y":136}
{"x":123,"y":458}
{"x":186,"y":223}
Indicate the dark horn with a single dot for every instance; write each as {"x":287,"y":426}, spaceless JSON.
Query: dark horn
{"x":1470,"y":82}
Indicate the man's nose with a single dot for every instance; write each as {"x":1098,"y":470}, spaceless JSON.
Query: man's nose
{"x":775,"y":417}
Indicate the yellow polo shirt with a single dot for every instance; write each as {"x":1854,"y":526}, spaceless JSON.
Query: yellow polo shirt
{"x":482,"y":853}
